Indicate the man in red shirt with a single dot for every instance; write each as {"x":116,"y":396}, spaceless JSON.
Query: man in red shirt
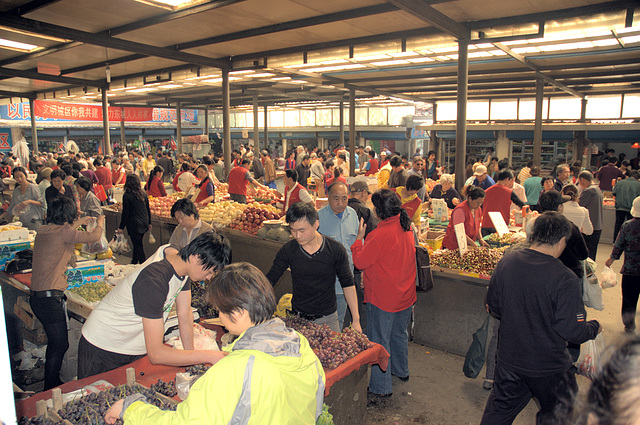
{"x":239,"y":179}
{"x":104,"y":176}
{"x":498,"y":198}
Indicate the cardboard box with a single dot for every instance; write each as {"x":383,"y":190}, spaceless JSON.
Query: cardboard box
{"x":37,"y":336}
{"x":8,"y":251}
{"x":25,"y":317}
{"x":93,"y":272}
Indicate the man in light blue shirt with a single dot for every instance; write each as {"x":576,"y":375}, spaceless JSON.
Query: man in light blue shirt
{"x":340,"y":222}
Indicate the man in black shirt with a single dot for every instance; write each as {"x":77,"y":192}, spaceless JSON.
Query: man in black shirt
{"x":315,"y":262}
{"x":304,"y":170}
{"x":165,"y":161}
{"x":539,"y":311}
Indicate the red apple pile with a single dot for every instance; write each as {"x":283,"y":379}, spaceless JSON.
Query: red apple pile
{"x":251,"y":219}
{"x":268,"y":193}
{"x":161,"y":206}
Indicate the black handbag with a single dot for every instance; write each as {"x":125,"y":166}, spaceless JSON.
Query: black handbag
{"x":477,"y":353}
{"x":424,"y":278}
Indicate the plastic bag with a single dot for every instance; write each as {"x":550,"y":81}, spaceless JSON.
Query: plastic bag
{"x":608,"y":278}
{"x":589,"y":360}
{"x":95,"y":247}
{"x":591,"y":290}
{"x":119,"y":244}
{"x":152,"y":240}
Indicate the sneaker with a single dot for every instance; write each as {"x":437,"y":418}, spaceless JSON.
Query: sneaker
{"x":630,"y":329}
{"x":402,"y":378}
{"x":379,"y":401}
{"x":487,"y":384}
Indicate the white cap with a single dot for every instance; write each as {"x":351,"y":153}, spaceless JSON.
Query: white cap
{"x":635,"y":209}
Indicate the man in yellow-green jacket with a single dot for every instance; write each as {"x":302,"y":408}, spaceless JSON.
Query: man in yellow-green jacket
{"x":270,"y":375}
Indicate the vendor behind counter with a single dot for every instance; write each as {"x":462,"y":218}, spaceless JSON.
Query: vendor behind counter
{"x":468,"y":212}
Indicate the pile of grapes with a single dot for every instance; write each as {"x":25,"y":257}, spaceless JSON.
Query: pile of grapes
{"x":92,"y":291}
{"x":165,"y":388}
{"x":197,"y":369}
{"x":198,"y":302}
{"x":90,"y":409}
{"x":332,"y":349}
{"x":481,"y":260}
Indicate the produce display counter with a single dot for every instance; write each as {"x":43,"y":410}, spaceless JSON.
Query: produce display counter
{"x":345,"y":392}
{"x":245,"y":247}
{"x":447,"y":316}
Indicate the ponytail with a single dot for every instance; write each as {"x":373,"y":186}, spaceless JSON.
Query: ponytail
{"x":387,"y":204}
{"x":405,"y":221}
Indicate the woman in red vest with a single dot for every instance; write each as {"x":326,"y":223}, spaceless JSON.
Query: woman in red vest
{"x":155,"y":186}
{"x":207,"y":190}
{"x":290,"y":164}
{"x":468,"y":212}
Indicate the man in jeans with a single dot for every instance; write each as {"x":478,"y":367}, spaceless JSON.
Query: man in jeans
{"x":625,"y":192}
{"x":340,"y":222}
{"x":315,"y":262}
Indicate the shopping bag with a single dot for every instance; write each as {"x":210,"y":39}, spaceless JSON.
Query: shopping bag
{"x":477,"y":352}
{"x":100,"y":193}
{"x":119,"y":244}
{"x":152,"y":240}
{"x":424,"y":279}
{"x":589,"y":360}
{"x":95,"y":247}
{"x":608,"y":278}
{"x":591,"y":290}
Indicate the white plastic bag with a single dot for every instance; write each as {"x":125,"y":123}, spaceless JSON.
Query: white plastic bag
{"x":608,"y":278}
{"x":152,"y":240}
{"x":119,"y":244}
{"x":589,"y":360}
{"x":95,"y":247}
{"x":591,"y":290}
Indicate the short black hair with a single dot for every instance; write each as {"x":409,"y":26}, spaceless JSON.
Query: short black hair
{"x":372,"y":153}
{"x":301,"y":211}
{"x":535,"y":171}
{"x":245,"y":161}
{"x":292,"y":174}
{"x":329,"y":163}
{"x":342,"y":157}
{"x":84,"y":183}
{"x":207,"y":161}
{"x":586,"y":174}
{"x":186,"y":207}
{"x":242,"y":286}
{"x":185,"y":167}
{"x":97,"y":162}
{"x":504,"y":175}
{"x":213,"y":250}
{"x":474,"y":192}
{"x":304,"y":158}
{"x":549,"y":201}
{"x":605,"y":162}
{"x":414,"y":182}
{"x":549,"y":228}
{"x":395,"y":161}
{"x":62,"y":210}
{"x":58,"y":173}
{"x":503,"y":163}
{"x":634,"y":174}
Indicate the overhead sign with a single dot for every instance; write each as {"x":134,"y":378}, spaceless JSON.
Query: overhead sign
{"x":47,"y":110}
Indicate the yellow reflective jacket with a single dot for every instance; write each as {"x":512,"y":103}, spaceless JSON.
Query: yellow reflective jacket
{"x":271,"y":376}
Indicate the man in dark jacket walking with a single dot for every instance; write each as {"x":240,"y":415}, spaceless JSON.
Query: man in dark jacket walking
{"x":539,"y":311}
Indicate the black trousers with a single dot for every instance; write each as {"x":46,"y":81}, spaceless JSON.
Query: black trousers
{"x":93,"y":360}
{"x":592,"y":242}
{"x":138,"y":256}
{"x":621,"y":217}
{"x":51,"y":313}
{"x":630,"y":292}
{"x":362,"y":309}
{"x":512,"y":392}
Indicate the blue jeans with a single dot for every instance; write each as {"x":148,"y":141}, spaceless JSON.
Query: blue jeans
{"x":390,"y":331}
{"x":342,"y":308}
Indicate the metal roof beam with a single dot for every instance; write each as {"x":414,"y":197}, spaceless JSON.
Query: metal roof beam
{"x":44,"y":28}
{"x":32,"y":6}
{"x":7,"y":93}
{"x":424,"y":11}
{"x":17,"y":73}
{"x":545,"y":77}
{"x":143,"y":23}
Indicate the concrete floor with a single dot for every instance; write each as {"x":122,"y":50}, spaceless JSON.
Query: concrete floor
{"x":439,"y":393}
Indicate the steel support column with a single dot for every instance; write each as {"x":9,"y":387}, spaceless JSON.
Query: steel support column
{"x":226,"y":121}
{"x":179,"y":127}
{"x":256,"y":133}
{"x":341,"y":123}
{"x":106,"y":143}
{"x":266,"y":126}
{"x":34,"y":131}
{"x":461,"y":123}
{"x":352,"y":132}
{"x":537,"y":126}
{"x":206,"y":121}
{"x":123,"y":136}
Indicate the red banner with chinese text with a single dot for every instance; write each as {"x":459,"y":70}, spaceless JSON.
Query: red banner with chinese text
{"x":69,"y":111}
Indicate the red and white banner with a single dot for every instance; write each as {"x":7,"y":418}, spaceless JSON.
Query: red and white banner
{"x":68,"y":111}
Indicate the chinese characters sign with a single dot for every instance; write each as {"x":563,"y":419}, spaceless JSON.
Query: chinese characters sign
{"x":46,"y":110}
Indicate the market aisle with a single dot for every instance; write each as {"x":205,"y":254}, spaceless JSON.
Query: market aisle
{"x":438,"y":392}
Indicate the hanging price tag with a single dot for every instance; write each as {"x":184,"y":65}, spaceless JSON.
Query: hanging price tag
{"x":461,"y":237}
{"x":498,"y":222}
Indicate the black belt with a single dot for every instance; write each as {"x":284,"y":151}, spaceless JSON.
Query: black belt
{"x":52,"y":293}
{"x":309,"y":317}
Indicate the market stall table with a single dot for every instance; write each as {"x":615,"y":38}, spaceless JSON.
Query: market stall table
{"x":345,"y":391}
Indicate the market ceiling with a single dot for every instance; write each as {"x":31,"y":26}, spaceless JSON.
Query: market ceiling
{"x":288,"y":52}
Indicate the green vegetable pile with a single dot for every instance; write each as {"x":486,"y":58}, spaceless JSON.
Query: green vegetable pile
{"x":92,"y":291}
